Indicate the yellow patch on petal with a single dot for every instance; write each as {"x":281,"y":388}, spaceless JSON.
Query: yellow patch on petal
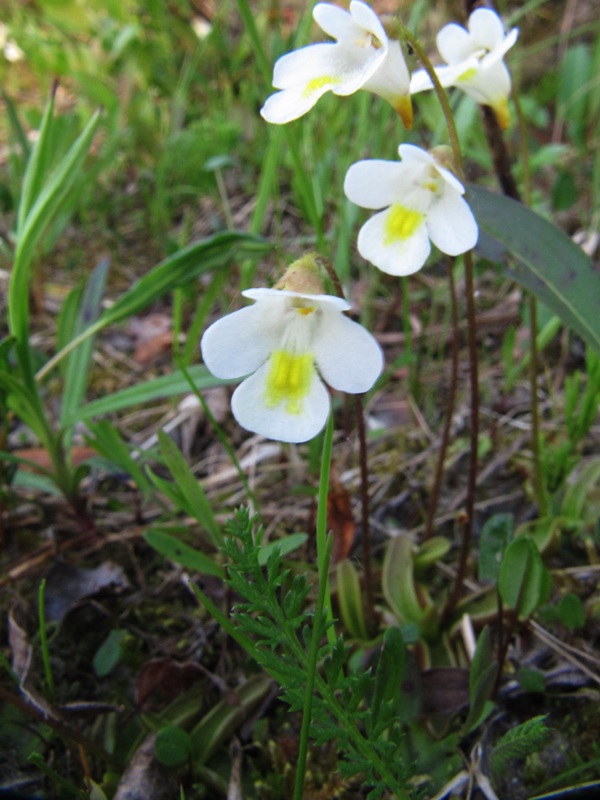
{"x":467,"y":75}
{"x":289,"y":380}
{"x":318,"y":83}
{"x":401,"y":223}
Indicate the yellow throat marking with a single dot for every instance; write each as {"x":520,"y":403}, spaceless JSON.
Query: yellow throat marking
{"x":401,"y":223}
{"x":318,"y":83}
{"x":288,"y":380}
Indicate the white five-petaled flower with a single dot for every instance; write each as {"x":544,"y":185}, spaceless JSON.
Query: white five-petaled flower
{"x":286,"y":342}
{"x":362,"y":57}
{"x":422,"y":200}
{"x":474,"y":61}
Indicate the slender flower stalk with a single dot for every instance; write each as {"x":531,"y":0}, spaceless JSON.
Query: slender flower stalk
{"x":407,"y":36}
{"x":439,"y":471}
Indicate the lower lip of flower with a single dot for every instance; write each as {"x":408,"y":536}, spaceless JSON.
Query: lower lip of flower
{"x":289,"y":380}
{"x":401,"y":223}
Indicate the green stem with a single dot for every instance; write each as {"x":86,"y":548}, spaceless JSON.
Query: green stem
{"x":406,"y":35}
{"x":313,"y":655}
{"x":322,"y":557}
{"x":44,"y":642}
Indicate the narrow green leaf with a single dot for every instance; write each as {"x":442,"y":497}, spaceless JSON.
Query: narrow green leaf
{"x":108,"y":443}
{"x":350,"y":600}
{"x":196,"y":503}
{"x":79,"y":360}
{"x":482,"y":677}
{"x":398,"y":580}
{"x":36,"y":164}
{"x":220,"y":722}
{"x":179,"y":269}
{"x":523,"y":579}
{"x":285,"y":546}
{"x":541,"y":258}
{"x":160,"y":388}
{"x":181,"y":553}
{"x":495,"y":536}
{"x":15,"y":123}
{"x":47,"y":201}
{"x":390,"y":675}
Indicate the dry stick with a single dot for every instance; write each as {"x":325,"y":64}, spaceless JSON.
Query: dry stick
{"x":471,"y":333}
{"x":60,"y":727}
{"x":465,"y":545}
{"x":364,"y":502}
{"x":364,"y":474}
{"x":439,"y":471}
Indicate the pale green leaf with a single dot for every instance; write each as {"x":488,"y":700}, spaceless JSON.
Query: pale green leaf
{"x":541,"y":258}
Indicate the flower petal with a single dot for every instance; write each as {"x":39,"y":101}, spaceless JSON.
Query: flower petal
{"x":220,"y":344}
{"x":251,"y":411}
{"x":447,"y":74}
{"x":454,"y":43}
{"x":347,"y":356}
{"x":290,"y":104}
{"x":391,"y":81}
{"x":300,"y":67}
{"x":374,"y":183}
{"x":451,"y":224}
{"x":397,"y":257}
{"x":364,"y":16}
{"x":486,"y":28}
{"x":335,"y":21}
{"x":276,"y":294}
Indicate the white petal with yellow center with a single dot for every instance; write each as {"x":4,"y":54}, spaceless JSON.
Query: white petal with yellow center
{"x":361,"y":58}
{"x":293,"y":418}
{"x":423,"y":199}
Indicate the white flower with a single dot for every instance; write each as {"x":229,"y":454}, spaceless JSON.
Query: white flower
{"x":361,"y":58}
{"x":286,"y":342}
{"x":474,"y":61}
{"x":422,"y":201}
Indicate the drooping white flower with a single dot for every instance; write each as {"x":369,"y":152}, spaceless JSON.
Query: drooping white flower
{"x":362,"y":57}
{"x":474,"y":61}
{"x":288,"y":343}
{"x":422,"y":201}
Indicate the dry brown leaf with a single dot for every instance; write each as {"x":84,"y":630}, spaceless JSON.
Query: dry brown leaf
{"x":445,"y":690}
{"x":20,"y":649}
{"x":39,"y":457}
{"x":166,"y":678}
{"x":153,"y":336}
{"x":67,"y":586}
{"x":339,"y":518}
{"x":145,"y":778}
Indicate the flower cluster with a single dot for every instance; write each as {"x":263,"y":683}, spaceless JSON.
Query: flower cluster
{"x":295,"y":338}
